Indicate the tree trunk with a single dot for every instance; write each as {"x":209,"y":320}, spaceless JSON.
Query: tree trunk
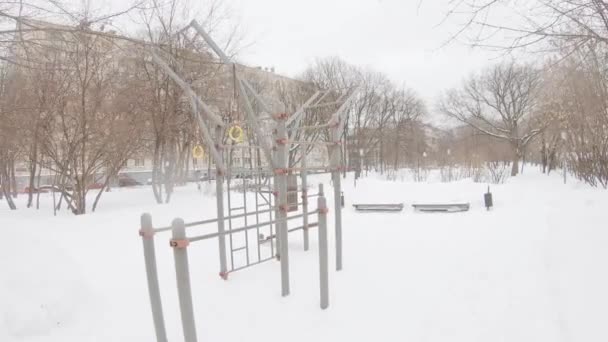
{"x":170,"y":172}
{"x":38,"y":186}
{"x":156,"y":172}
{"x":13,"y":177}
{"x":5,"y":187}
{"x":79,"y":198}
{"x":101,"y":191}
{"x":515,"y":162}
{"x":543,"y":153}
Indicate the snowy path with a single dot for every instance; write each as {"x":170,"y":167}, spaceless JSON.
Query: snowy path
{"x":533,"y":269}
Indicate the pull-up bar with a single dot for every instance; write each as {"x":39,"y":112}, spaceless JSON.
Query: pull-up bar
{"x":242,"y":229}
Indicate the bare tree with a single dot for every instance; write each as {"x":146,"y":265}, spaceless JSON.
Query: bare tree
{"x":406,"y":110}
{"x":502,"y":103}
{"x":173,"y":129}
{"x":581,"y":97}
{"x":563,"y":25}
{"x":10,"y":140}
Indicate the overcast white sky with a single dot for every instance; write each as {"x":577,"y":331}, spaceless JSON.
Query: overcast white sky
{"x":398,"y":37}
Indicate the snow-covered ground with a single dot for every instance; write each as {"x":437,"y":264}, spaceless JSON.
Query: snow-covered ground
{"x":532,"y":269}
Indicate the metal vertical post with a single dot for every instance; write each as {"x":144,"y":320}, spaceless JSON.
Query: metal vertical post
{"x":257,"y":207}
{"x":323,"y":253}
{"x":229,"y":204}
{"x":182,"y":273}
{"x":303,"y":174}
{"x":219,"y":194}
{"x":281,"y":172}
{"x":147,"y":236}
{"x":277,"y":213}
{"x":336,"y":162}
{"x":245,"y":219}
{"x":271,"y":204}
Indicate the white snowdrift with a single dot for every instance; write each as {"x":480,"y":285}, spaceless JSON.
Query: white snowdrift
{"x":533,"y":269}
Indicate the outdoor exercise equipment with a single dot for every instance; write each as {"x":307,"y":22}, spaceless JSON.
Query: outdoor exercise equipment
{"x":235,"y":133}
{"x":270,"y":182}
{"x":198,"y":152}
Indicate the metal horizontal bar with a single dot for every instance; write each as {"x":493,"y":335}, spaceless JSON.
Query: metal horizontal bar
{"x":241,"y":146}
{"x":331,"y":143}
{"x":313,"y":127}
{"x":326,"y":104}
{"x":251,"y":264}
{"x":320,"y":172}
{"x":163,"y":229}
{"x":198,"y":223}
{"x":239,"y":249}
{"x":317,"y":168}
{"x":273,"y":236}
{"x":242,"y":229}
{"x":266,"y":118}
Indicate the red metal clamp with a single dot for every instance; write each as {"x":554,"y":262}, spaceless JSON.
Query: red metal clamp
{"x":281,"y":116}
{"x":224,"y":275}
{"x":181,"y":244}
{"x":146,"y":234}
{"x":281,"y":141}
{"x":323,"y":211}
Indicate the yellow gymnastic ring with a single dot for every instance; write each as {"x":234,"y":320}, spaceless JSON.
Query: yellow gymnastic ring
{"x":198,"y":152}
{"x":235,"y":133}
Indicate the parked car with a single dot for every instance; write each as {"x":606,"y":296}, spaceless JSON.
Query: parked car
{"x":35,"y":190}
{"x":124,"y":180}
{"x":45,"y":189}
{"x":95,"y":186}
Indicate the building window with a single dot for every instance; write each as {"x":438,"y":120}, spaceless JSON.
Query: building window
{"x":139,"y":162}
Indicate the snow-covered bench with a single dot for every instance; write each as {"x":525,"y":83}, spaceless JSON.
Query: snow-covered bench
{"x":379,"y":207}
{"x":445,"y":208}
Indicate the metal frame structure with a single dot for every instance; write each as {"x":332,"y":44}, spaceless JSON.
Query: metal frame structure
{"x":268,"y":180}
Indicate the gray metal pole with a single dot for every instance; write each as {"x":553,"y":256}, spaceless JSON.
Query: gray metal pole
{"x":336,"y":163}
{"x":304,"y":199}
{"x":277,"y":213}
{"x":323,"y":253}
{"x":282,"y":233}
{"x":219,"y":194}
{"x":182,"y":273}
{"x":147,"y":237}
{"x":338,"y":215}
